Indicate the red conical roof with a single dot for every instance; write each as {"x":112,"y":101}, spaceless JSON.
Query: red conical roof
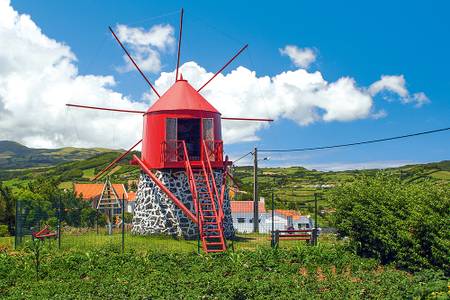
{"x":181,"y":96}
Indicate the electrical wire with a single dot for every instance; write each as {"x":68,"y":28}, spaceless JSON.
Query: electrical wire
{"x":356,"y":143}
{"x":245,"y":155}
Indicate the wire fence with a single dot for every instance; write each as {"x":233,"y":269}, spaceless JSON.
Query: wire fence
{"x":88,"y":229}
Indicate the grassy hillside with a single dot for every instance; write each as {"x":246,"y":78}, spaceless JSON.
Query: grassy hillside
{"x":16,"y":156}
{"x":291,"y":186}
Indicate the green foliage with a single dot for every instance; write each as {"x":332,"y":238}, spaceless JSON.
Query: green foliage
{"x":7,"y":208}
{"x":302,"y":273}
{"x":37,"y":248}
{"x":396,"y":221}
{"x":128,"y":217}
{"x":88,"y":217}
{"x":4,"y":230}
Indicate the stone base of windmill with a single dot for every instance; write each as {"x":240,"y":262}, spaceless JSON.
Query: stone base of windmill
{"x":156,"y":214}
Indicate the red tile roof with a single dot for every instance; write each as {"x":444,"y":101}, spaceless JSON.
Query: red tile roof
{"x":131,"y":196}
{"x":246,"y":207}
{"x":94,"y":190}
{"x":288,"y":213}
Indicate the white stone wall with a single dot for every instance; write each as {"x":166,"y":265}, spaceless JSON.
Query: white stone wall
{"x":155,"y":213}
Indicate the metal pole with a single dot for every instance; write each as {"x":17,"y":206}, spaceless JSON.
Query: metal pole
{"x":96,"y":220}
{"x":198,"y":226}
{"x":273,"y":222}
{"x":315,"y":219}
{"x":123,"y":223}
{"x":255,"y":192}
{"x":59,"y":223}
{"x":16,"y":231}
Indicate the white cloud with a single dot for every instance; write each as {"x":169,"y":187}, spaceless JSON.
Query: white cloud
{"x":396,"y":84}
{"x":296,"y":95}
{"x":300,"y":57}
{"x":38,"y":75}
{"x":146,"y":46}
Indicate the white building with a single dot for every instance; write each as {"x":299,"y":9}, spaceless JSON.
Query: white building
{"x":242,"y":214}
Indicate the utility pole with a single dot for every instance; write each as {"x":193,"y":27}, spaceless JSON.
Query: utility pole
{"x":315,"y":219}
{"x":255,"y":192}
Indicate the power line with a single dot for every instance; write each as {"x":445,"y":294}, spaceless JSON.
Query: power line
{"x":356,"y":143}
{"x":245,"y":155}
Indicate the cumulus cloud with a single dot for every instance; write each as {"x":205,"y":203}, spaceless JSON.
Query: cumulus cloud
{"x":300,"y":57}
{"x":38,"y":75}
{"x":397,"y":84}
{"x":146,"y":45}
{"x":296,"y":95}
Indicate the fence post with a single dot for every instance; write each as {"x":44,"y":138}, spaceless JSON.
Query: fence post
{"x":198,"y":226}
{"x":16,"y":230}
{"x":277,"y":237}
{"x":123,"y":223}
{"x":59,"y":222}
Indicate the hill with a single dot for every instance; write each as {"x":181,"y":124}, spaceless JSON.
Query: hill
{"x":16,"y":156}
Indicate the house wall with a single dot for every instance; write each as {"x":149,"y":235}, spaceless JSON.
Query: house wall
{"x":265,"y":224}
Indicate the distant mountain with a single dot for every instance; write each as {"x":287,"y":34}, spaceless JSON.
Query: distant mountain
{"x":17,"y":156}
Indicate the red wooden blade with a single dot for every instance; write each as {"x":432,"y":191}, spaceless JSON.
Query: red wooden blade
{"x":179,"y":44}
{"x":134,"y":63}
{"x":115,"y":161}
{"x":108,"y":109}
{"x":248,"y":119}
{"x":221,"y":69}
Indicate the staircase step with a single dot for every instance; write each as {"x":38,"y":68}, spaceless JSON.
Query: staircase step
{"x":212,"y":236}
{"x":214,"y":243}
{"x":215,"y":250}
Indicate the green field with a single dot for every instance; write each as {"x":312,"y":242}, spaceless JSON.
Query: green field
{"x":158,"y":268}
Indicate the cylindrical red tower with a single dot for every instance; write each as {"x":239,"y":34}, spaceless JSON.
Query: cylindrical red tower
{"x":181,"y":114}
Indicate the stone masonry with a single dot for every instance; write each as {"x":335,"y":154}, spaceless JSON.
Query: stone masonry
{"x":155,"y":213}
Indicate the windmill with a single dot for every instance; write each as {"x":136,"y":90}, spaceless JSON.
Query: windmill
{"x":182,"y":187}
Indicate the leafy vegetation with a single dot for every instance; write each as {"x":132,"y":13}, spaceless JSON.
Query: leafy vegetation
{"x":396,"y":222}
{"x":305,"y":272}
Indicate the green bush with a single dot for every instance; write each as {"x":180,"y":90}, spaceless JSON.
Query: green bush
{"x":396,"y":222}
{"x":324,"y":272}
{"x":4,"y":230}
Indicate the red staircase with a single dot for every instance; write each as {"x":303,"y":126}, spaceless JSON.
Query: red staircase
{"x":202,"y":185}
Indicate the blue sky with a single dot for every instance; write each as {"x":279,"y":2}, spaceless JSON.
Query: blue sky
{"x":361,"y":40}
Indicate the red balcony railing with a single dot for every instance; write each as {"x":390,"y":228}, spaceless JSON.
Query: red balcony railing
{"x":172,"y":151}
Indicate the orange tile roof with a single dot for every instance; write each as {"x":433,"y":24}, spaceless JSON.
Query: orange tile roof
{"x":246,"y":206}
{"x":131,"y":196}
{"x":288,"y":213}
{"x":94,"y":190}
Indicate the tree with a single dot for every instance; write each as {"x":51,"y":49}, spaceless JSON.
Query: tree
{"x":7,"y":208}
{"x":394,"y":221}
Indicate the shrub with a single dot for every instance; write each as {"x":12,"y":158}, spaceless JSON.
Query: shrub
{"x":394,"y":221}
{"x":4,"y":230}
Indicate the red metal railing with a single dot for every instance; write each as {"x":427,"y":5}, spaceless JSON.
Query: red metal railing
{"x":172,"y":151}
{"x":213,"y":180}
{"x":191,"y":179}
